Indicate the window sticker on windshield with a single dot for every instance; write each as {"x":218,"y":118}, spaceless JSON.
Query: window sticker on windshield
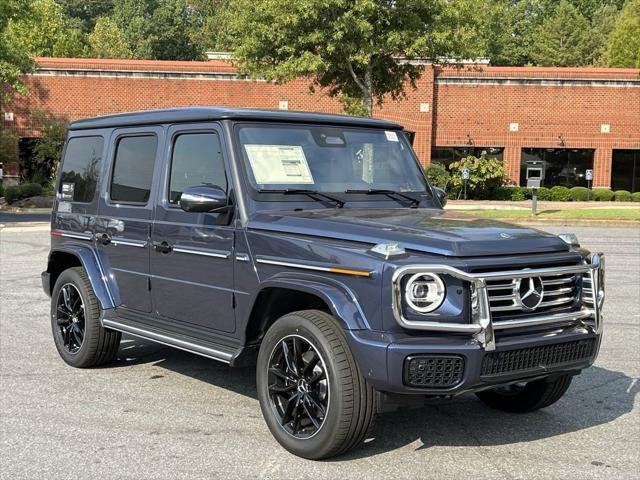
{"x":279,"y":164}
{"x":391,"y":136}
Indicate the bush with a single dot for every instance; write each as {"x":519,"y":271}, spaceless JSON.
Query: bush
{"x":602,"y":195}
{"x":11,"y":194}
{"x":635,"y":197}
{"x":438,"y":175}
{"x":544,"y":194}
{"x":485,"y":174}
{"x":519,"y":194}
{"x":579,"y":194}
{"x":1,"y":191}
{"x":560,"y":194}
{"x":622,"y":196}
{"x":30,"y":190}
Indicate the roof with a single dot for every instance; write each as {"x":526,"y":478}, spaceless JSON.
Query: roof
{"x":199,"y":114}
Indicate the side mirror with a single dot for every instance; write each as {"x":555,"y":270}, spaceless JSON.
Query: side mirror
{"x":441,"y":194}
{"x":203,"y":198}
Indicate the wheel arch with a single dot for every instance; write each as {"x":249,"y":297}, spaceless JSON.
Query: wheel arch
{"x":277,"y":297}
{"x":72,"y":256}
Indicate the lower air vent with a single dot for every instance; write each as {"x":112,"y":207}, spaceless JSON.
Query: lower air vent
{"x":521,"y":360}
{"x":433,"y":371}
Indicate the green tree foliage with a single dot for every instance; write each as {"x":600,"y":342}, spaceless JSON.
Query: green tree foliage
{"x":624,"y":44}
{"x":108,"y":41}
{"x":562,"y":39}
{"x":45,"y":32}
{"x":84,"y":14}
{"x":349,"y":47}
{"x":14,"y":58}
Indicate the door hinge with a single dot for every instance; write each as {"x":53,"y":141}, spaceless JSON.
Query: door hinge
{"x":233,"y":301}
{"x":149,"y":283}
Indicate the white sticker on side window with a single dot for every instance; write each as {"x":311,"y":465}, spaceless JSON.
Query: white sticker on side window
{"x":64,"y":207}
{"x":279,"y":164}
{"x":391,"y":136}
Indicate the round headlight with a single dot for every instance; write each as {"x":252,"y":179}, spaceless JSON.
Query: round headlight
{"x":424,"y":292}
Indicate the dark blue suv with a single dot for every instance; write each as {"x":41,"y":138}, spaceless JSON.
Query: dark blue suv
{"x":313,"y":246}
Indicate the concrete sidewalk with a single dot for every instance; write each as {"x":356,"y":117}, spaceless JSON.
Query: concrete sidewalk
{"x":526,"y":205}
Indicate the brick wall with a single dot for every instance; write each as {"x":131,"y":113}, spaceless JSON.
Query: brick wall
{"x":477,"y":103}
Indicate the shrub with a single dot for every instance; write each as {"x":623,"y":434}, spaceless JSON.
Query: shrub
{"x":11,"y":194}
{"x":622,"y":196}
{"x":635,"y":197}
{"x":544,"y":194}
{"x":579,"y":194}
{"x":485,"y":174}
{"x":518,"y":194}
{"x":1,"y":191}
{"x":560,"y":194}
{"x":602,"y":195}
{"x":438,"y":175}
{"x":30,"y":190}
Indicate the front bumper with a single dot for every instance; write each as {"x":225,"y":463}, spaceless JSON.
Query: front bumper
{"x":383,"y":358}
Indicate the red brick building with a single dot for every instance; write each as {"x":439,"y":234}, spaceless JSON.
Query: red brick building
{"x":572,"y":118}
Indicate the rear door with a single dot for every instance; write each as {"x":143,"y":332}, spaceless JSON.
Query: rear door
{"x":126,"y":210}
{"x":191,"y":264}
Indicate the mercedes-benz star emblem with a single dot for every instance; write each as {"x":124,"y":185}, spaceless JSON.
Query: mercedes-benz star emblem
{"x":505,"y":235}
{"x":529,"y":293}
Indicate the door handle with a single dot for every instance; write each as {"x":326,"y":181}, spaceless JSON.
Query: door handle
{"x":163,"y":247}
{"x":104,"y":239}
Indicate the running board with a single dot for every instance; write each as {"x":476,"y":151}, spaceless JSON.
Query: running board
{"x":220,"y":355}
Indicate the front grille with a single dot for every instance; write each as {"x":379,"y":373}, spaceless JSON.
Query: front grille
{"x":561,"y":292}
{"x":523,"y":359}
{"x":434,"y":371}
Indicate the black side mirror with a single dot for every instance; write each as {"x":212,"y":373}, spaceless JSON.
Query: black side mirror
{"x":204,"y":198}
{"x":441,"y":194}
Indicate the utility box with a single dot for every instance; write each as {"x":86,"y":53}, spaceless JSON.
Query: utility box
{"x":535,"y":173}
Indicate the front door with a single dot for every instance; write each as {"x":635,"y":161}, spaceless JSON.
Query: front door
{"x":125,"y":213}
{"x":191,"y":263}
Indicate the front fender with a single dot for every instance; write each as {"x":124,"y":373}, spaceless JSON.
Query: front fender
{"x":96,"y":266}
{"x":340,"y":299}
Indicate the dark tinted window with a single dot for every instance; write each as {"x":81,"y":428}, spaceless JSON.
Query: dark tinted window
{"x":448,"y":155}
{"x":563,"y":166}
{"x":133,"y":169}
{"x":81,"y":168}
{"x":196,"y":160}
{"x":625,"y":170}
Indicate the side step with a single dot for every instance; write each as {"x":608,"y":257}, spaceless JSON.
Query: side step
{"x":217,"y":352}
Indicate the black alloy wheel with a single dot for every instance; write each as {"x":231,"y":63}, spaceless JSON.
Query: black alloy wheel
{"x":298,"y":386}
{"x":70,"y":318}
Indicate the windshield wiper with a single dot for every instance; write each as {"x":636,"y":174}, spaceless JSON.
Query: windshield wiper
{"x":302,"y":191}
{"x":389,"y":193}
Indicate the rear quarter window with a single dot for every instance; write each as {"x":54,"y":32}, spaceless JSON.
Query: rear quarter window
{"x":133,"y":169}
{"x":81,"y":169}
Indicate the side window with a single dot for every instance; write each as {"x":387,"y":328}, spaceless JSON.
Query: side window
{"x":81,"y":168}
{"x":196,"y":160}
{"x":133,"y":169}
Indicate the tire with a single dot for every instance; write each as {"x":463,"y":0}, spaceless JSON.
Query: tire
{"x":348,"y":402}
{"x":528,"y":398}
{"x":98,"y":345}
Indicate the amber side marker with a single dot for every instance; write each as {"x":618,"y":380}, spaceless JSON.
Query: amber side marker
{"x":345,"y":271}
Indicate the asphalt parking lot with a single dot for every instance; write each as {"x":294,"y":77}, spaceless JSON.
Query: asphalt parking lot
{"x":159,"y":413}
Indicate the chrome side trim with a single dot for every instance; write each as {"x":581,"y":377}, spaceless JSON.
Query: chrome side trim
{"x":76,"y":235}
{"x":482,"y":325}
{"x":128,"y":242}
{"x":204,"y":253}
{"x":224,"y":357}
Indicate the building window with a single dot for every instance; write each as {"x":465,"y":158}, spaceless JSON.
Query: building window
{"x":133,"y":169}
{"x":563,"y":166}
{"x":625,"y":170}
{"x":447,"y":155}
{"x":80,"y":169}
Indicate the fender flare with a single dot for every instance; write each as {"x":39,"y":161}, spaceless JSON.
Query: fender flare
{"x":339,"y":297}
{"x":96,"y":266}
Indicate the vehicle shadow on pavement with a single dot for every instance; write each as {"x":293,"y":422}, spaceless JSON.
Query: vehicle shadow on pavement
{"x":596,"y":397}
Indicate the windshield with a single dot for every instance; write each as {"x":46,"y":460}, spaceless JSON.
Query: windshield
{"x":329,"y":159}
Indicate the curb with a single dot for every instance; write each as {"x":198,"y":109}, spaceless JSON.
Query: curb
{"x":25,"y":227}
{"x":570,"y":222}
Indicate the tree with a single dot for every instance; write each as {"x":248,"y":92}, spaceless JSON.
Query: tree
{"x":14,"y":58}
{"x":174,"y":24}
{"x":84,"y":14}
{"x":562,"y":39}
{"x":350,"y":47}
{"x":624,"y":43}
{"x":107,"y":40}
{"x":44,"y":32}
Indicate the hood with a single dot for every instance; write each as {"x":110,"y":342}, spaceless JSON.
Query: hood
{"x":435,"y":231}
